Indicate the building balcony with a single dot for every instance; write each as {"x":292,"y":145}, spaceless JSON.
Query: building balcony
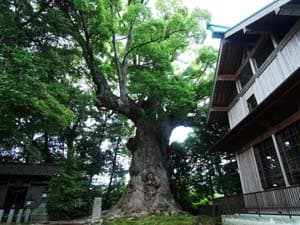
{"x":278,"y":67}
{"x":256,"y":56}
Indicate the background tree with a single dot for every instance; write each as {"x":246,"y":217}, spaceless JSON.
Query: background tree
{"x":198,"y":175}
{"x":93,"y":148}
{"x":33,"y":93}
{"x":49,"y":114}
{"x":70,"y":197}
{"x":94,"y":141}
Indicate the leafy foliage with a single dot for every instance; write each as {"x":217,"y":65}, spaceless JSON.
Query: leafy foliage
{"x":48,"y":115}
{"x":70,"y":196}
{"x":33,"y":93}
{"x":68,"y":67}
{"x":198,"y":175}
{"x":208,"y":173}
{"x":73,"y":186}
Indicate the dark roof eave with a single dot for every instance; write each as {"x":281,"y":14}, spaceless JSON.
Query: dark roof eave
{"x":215,"y":82}
{"x":20,"y":169}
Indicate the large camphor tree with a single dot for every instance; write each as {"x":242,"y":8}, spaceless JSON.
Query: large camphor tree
{"x":127,"y":51}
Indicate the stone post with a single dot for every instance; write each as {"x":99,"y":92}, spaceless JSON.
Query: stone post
{"x":96,"y":214}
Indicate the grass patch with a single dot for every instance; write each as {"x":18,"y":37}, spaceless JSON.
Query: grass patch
{"x":161,"y":220}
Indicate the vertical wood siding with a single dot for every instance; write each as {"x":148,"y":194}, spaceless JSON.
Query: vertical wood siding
{"x":236,"y":113}
{"x":283,"y":65}
{"x":248,"y":172}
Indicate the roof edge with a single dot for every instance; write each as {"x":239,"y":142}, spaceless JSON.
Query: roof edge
{"x":255,"y":16}
{"x":215,"y":81}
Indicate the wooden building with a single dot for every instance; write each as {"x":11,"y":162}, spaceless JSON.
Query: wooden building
{"x":257,"y":92}
{"x":24,"y":185}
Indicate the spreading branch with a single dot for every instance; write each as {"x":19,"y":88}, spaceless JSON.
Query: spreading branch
{"x":103,"y":92}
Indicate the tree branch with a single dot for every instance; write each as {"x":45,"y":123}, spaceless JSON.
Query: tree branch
{"x":116,"y":55}
{"x":103,"y":92}
{"x":124,"y":71}
{"x":141,"y":44}
{"x":166,"y":36}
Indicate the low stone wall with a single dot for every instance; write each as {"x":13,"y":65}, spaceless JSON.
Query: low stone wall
{"x":249,"y":219}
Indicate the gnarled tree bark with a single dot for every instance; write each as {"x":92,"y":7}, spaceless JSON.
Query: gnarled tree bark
{"x":148,"y":189}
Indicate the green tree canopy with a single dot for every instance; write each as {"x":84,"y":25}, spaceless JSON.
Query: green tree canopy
{"x":125,"y":52}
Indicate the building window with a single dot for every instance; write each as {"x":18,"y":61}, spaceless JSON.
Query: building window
{"x":289,"y":147}
{"x":263,"y":52}
{"x":245,"y":75}
{"x":268,"y":164}
{"x":252,"y":103}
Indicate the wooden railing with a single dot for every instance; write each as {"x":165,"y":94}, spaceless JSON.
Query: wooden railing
{"x":282,"y":201}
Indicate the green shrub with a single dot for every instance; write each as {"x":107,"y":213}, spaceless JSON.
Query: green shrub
{"x":69,"y":197}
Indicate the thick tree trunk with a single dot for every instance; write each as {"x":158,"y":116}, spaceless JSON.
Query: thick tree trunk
{"x":148,"y":189}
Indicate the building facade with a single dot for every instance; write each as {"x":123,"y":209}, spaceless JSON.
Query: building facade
{"x":23,"y":186}
{"x":257,"y":92}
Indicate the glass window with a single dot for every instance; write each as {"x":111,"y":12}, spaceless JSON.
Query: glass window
{"x":289,"y":146}
{"x":252,"y":103}
{"x":263,"y":52}
{"x":245,"y":75}
{"x":268,"y":164}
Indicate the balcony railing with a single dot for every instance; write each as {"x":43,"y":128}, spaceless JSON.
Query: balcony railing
{"x":282,"y":201}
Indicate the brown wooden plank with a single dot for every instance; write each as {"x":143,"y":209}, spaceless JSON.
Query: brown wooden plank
{"x":227,"y":77}
{"x":219,"y":109}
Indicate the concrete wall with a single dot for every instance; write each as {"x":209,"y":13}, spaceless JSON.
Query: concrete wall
{"x":247,"y":219}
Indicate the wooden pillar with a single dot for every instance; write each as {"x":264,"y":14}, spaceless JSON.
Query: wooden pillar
{"x":287,"y":184}
{"x":256,"y":169}
{"x":249,"y":174}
